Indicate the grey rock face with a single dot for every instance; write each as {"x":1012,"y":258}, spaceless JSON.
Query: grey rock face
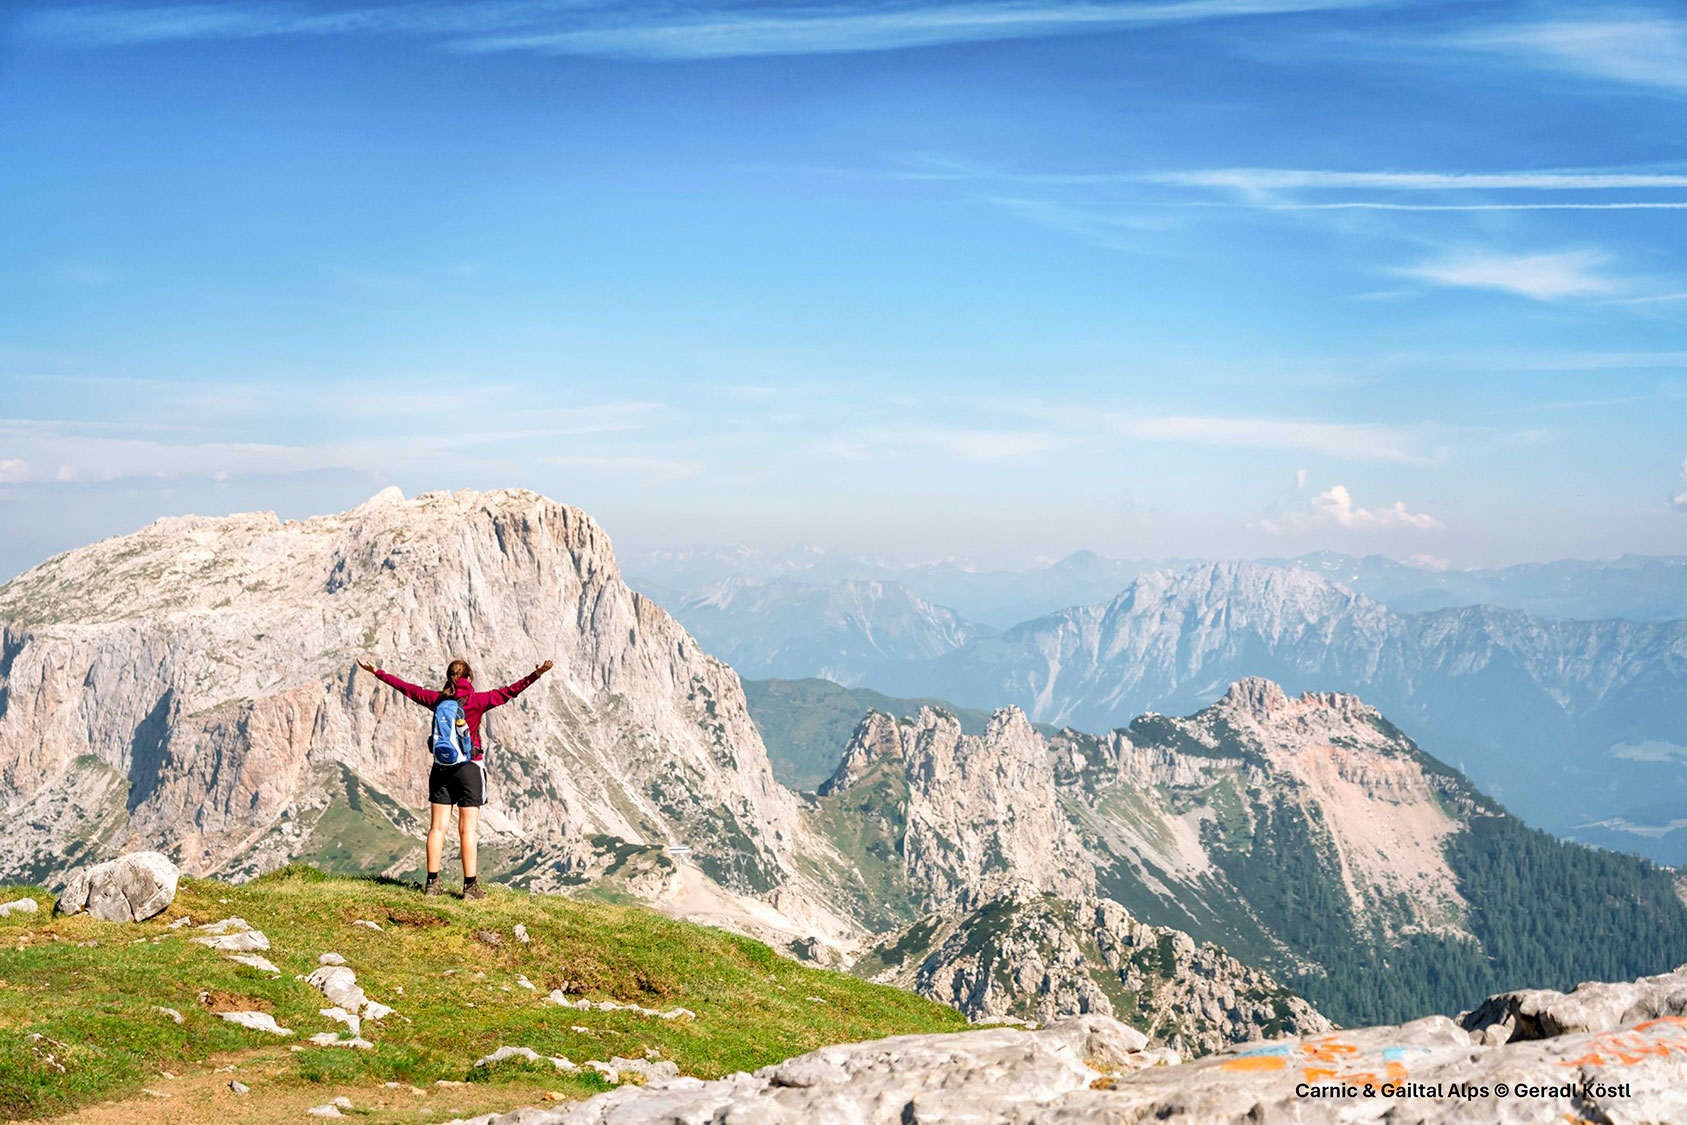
{"x":992,"y":1075}
{"x":1543,"y":1013}
{"x":131,"y":888}
{"x":1090,"y":1069}
{"x":981,"y":812}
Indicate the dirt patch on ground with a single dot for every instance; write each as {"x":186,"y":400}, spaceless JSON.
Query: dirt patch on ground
{"x":403,"y":916}
{"x":214,"y":1000}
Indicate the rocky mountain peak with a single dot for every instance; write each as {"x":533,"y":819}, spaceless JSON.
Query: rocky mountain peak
{"x":1264,"y":702}
{"x":1256,"y":696}
{"x":877,"y":738}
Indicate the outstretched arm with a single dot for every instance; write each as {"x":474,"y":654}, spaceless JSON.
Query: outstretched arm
{"x":422,"y":695}
{"x":503,"y":695}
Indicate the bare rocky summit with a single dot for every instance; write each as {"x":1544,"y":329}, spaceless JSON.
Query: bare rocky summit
{"x":1094,"y":1069}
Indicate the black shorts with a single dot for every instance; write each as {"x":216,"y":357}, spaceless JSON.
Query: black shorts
{"x":463,"y":785}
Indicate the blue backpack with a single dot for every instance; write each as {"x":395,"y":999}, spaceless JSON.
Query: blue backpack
{"x":449,"y":740}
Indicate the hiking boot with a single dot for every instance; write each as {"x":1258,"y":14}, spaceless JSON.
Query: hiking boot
{"x":474,"y":891}
{"x":433,"y":888}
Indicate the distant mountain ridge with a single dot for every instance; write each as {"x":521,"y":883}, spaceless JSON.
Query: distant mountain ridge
{"x":845,"y":631}
{"x":1538,"y":711}
{"x":1633,"y":587}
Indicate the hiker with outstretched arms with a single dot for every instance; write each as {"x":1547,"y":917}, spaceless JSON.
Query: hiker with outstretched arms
{"x":458,"y":777}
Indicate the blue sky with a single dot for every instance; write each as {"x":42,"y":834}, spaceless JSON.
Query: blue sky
{"x":994,"y":279}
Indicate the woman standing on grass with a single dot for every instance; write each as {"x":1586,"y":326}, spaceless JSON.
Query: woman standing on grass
{"x":462,"y":785}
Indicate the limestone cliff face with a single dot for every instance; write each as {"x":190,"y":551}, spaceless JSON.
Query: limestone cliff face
{"x":191,"y":687}
{"x":977,"y":812}
{"x":1030,"y":956}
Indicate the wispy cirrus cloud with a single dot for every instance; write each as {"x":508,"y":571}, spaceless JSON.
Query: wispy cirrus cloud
{"x":1639,"y":48}
{"x":658,"y":30}
{"x":1359,"y":441}
{"x":1351,"y":441}
{"x":951,"y":442}
{"x":1541,"y":277}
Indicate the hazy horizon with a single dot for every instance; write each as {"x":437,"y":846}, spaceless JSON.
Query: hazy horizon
{"x":989,"y":279}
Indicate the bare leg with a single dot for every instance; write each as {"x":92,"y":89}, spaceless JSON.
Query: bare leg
{"x":468,"y":821}
{"x":436,"y":836}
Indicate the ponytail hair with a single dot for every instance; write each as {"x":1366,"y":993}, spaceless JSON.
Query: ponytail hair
{"x":456,"y":670}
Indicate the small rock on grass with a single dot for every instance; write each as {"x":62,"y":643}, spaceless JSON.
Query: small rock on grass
{"x":21,"y":906}
{"x":239,"y":1087}
{"x":262,"y":964}
{"x":527,"y":1053}
{"x":330,"y":959}
{"x":340,"y":1015}
{"x":521,"y":933}
{"x":327,"y":1110}
{"x":332,"y":1039}
{"x":243,"y":941}
{"x":169,"y":1013}
{"x":257,"y":1021}
{"x":368,"y":925}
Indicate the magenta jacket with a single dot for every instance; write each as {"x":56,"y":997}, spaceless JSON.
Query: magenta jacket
{"x":475,"y":703}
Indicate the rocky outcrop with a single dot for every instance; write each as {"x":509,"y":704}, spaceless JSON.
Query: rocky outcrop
{"x":995,"y":1075}
{"x":1543,"y":1013}
{"x":131,"y":888}
{"x":1035,"y":957}
{"x":1091,"y":1069}
{"x":191,"y":688}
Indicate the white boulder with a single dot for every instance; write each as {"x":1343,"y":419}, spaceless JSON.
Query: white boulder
{"x":131,"y":888}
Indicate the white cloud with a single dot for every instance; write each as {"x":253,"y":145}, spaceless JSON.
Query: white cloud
{"x":655,"y":31}
{"x":1640,"y":50}
{"x":1335,"y":507}
{"x":13,"y":469}
{"x":1679,"y":501}
{"x":1541,"y":277}
{"x":1364,"y":441}
{"x":992,"y":445}
{"x":1300,"y":478}
{"x":965,"y":445}
{"x":1256,"y":180}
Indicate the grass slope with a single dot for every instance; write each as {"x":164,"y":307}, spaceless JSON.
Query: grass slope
{"x":78,"y":999}
{"x":807,"y":723}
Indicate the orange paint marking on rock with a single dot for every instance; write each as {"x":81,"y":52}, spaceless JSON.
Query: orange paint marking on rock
{"x":1255,"y":1062}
